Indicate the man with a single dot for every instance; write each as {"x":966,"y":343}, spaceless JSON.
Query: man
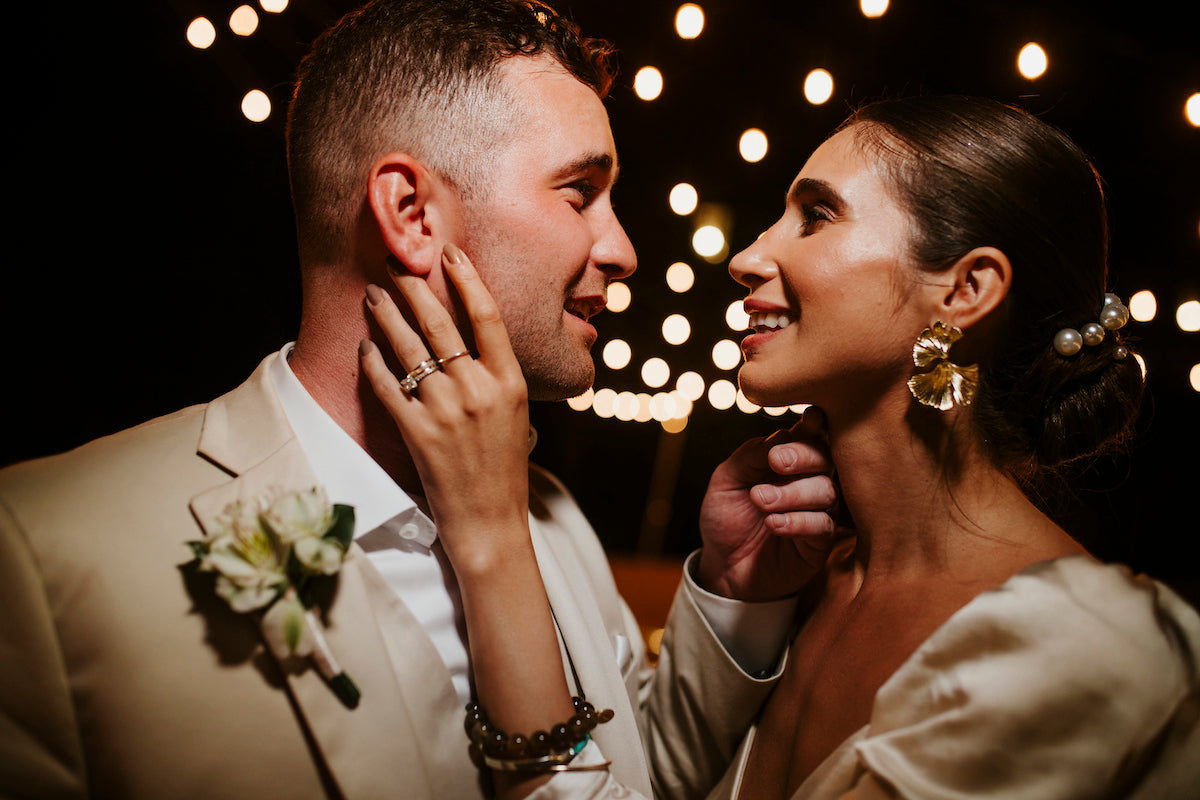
{"x":127,"y":671}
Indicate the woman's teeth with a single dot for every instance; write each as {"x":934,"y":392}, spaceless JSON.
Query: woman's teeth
{"x":771,"y":320}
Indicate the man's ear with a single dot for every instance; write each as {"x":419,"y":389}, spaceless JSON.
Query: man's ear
{"x":981,"y":280}
{"x":400,"y":192}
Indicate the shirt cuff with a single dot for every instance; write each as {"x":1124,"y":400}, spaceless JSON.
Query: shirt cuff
{"x":754,"y":634}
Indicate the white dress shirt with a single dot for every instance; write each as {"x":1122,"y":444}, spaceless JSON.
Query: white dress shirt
{"x":395,"y":533}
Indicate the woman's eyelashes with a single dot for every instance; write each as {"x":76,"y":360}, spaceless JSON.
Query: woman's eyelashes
{"x":813,"y":216}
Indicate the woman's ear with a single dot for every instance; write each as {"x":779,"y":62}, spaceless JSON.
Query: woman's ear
{"x":981,"y":280}
{"x":400,"y":192}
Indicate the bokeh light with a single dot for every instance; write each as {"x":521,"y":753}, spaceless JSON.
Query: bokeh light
{"x":648,"y":83}
{"x":619,"y":297}
{"x":736,"y":317}
{"x":726,"y":354}
{"x":818,"y":87}
{"x":256,"y":106}
{"x":1032,"y":61}
{"x":616,"y":354}
{"x":873,"y":9}
{"x":676,"y":329}
{"x":201,"y":33}
{"x":680,"y":277}
{"x":753,"y":145}
{"x":690,"y":385}
{"x":1187,"y":316}
{"x":243,"y":21}
{"x":655,"y":372}
{"x":1194,"y":377}
{"x":273,"y":6}
{"x":1143,"y":306}
{"x":683,"y":199}
{"x":1191,"y":109}
{"x":708,"y":241}
{"x":583,"y":402}
{"x":689,"y":21}
{"x":722,"y":394}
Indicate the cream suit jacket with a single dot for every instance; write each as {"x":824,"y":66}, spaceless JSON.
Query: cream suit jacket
{"x":123,"y":675}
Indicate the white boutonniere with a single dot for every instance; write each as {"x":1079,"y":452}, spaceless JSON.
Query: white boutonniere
{"x":268,"y":552}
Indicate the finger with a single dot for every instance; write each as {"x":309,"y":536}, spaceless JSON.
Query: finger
{"x":802,"y":524}
{"x":383,"y":382}
{"x":487,"y":324}
{"x":404,"y":341}
{"x":813,"y":493}
{"x":436,"y":323}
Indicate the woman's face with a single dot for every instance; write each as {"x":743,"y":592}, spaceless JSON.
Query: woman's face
{"x":831,"y":307}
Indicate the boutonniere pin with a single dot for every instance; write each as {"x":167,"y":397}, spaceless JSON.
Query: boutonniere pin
{"x":270,"y":553}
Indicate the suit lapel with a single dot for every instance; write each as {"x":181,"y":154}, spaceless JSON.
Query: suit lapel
{"x":587,"y":639}
{"x":367,"y":627}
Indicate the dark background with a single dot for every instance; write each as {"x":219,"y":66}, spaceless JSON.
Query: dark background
{"x":153,"y":261}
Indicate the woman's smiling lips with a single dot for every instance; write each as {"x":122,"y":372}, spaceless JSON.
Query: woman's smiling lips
{"x":765,"y":322}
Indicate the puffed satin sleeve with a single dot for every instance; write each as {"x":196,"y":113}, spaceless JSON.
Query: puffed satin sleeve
{"x":1073,"y":680}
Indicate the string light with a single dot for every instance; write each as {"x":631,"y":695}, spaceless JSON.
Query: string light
{"x":1032,"y":61}
{"x":689,"y":21}
{"x":680,"y":277}
{"x":873,"y":9}
{"x":753,"y":145}
{"x":648,"y":83}
{"x":201,"y":33}
{"x":619,"y":297}
{"x":1187,"y":316}
{"x":818,"y":87}
{"x":616,"y":354}
{"x":256,"y":106}
{"x":1143,"y":306}
{"x":243,"y":21}
{"x":683,"y":199}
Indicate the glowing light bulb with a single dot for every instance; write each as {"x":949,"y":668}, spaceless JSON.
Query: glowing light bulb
{"x":1032,"y":61}
{"x":689,"y":21}
{"x":648,"y":83}
{"x":818,"y":87}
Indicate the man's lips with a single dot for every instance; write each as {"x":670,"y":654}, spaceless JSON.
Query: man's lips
{"x":585,"y":307}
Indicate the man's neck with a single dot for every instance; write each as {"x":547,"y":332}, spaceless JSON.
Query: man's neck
{"x":327,"y":366}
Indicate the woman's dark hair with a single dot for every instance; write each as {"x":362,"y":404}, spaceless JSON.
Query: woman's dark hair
{"x":973,"y":172}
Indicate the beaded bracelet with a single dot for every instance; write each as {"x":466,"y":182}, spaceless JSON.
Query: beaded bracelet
{"x":542,"y":751}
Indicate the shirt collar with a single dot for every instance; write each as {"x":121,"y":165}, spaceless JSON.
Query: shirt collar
{"x":385,"y":515}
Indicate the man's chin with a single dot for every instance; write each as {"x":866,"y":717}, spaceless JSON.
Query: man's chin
{"x":560,"y":387}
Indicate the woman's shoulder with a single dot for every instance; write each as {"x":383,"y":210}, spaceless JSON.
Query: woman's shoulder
{"x":1072,"y":670}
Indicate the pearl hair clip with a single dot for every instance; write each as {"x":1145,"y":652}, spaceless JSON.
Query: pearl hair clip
{"x":1113,"y":317}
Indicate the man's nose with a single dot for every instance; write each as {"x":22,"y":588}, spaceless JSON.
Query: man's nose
{"x":613,"y":252}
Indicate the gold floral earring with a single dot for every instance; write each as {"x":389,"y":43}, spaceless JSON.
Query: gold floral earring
{"x":946,"y":385}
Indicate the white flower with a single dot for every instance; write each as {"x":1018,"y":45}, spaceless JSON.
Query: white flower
{"x":247,"y":557}
{"x":285,"y":627}
{"x":250,"y":547}
{"x":300,"y":515}
{"x":319,"y":556}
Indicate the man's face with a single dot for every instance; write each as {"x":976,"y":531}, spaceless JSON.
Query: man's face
{"x":545,"y":238}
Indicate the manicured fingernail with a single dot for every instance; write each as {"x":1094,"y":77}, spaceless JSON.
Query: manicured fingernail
{"x":375,"y":295}
{"x":452,"y":254}
{"x":365,"y":347}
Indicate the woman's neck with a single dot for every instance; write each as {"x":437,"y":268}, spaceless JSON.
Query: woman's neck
{"x":924,"y":498}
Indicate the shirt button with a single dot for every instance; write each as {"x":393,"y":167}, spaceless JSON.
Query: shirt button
{"x":409,"y":530}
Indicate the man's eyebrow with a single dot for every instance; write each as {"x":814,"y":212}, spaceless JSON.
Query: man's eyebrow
{"x":807,"y":187}
{"x":601,"y":161}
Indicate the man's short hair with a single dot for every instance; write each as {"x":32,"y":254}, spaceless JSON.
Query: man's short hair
{"x":420,"y":77}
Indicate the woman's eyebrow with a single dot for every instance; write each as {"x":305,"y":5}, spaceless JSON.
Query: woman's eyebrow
{"x":808,"y":187}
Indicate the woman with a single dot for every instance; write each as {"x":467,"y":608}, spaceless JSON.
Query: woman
{"x":959,"y":643}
